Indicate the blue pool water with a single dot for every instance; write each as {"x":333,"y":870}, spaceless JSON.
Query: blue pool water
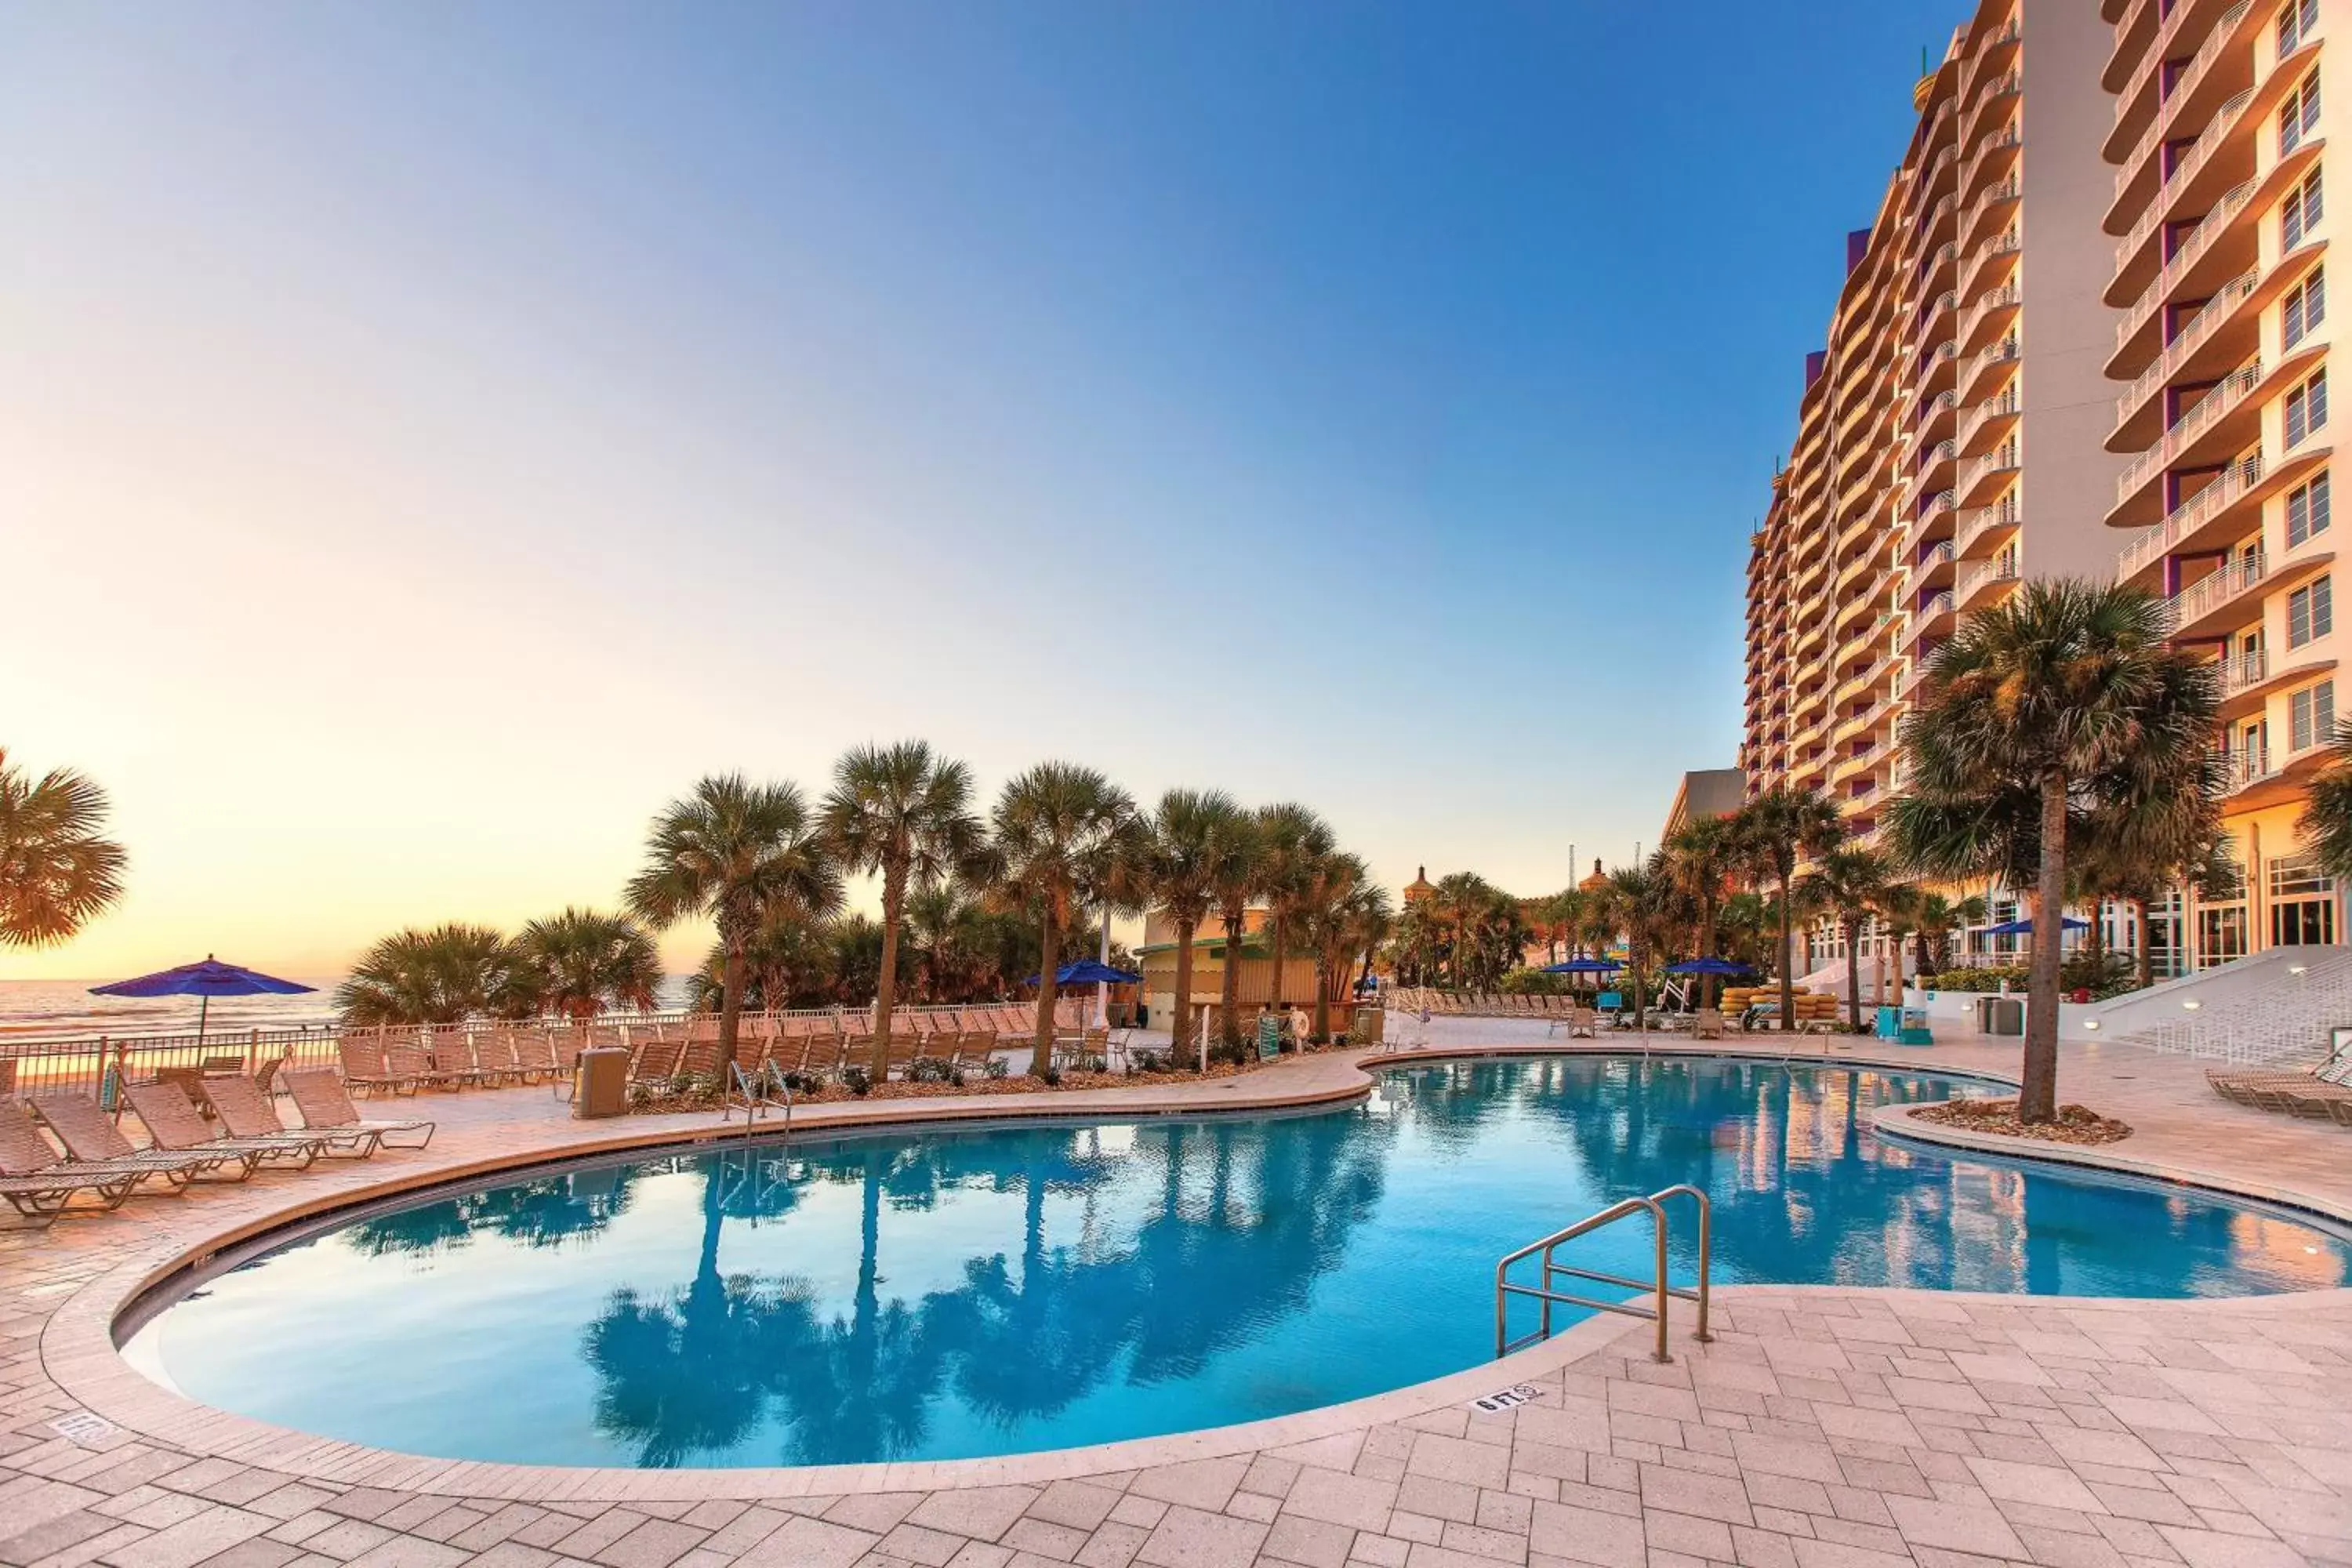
{"x":942,"y":1295}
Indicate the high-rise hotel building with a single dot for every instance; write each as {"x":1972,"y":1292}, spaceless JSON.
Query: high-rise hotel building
{"x":2218,"y":218}
{"x":1950,"y":435}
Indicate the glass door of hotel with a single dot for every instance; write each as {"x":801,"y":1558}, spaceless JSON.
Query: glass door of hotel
{"x":2303,"y":903}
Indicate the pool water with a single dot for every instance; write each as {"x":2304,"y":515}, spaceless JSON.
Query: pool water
{"x":938,"y":1295}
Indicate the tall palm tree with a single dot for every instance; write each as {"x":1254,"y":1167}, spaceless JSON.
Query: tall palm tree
{"x":56,"y":872}
{"x":1235,"y":857}
{"x":2326,"y":825}
{"x":1176,"y":870}
{"x":738,"y":852}
{"x":1064,"y":836}
{"x":1772,"y":831}
{"x":1341,"y":913}
{"x":2065,"y":696}
{"x":1639,"y":904}
{"x":905,"y":814}
{"x":1850,"y":885}
{"x":1293,"y":842}
{"x":1700,"y":860}
{"x":444,"y":976}
{"x":585,"y":961}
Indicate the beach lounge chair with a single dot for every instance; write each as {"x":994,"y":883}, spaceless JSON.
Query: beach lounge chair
{"x":453,"y":1060}
{"x":365,"y":1067}
{"x":1707,"y":1023}
{"x":326,"y":1107}
{"x":2307,"y":1093}
{"x":91,"y":1137}
{"x":39,"y":1182}
{"x":905,"y":1046}
{"x":172,"y":1120}
{"x":247,"y":1113}
{"x":659,"y":1056}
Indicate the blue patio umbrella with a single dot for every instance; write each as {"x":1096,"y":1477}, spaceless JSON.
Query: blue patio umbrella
{"x":2025,"y":927}
{"x":1707,"y":966}
{"x":206,"y":979}
{"x":1086,"y":971}
{"x":1584,"y":966}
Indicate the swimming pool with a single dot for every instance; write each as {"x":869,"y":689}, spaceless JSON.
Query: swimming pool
{"x":946,"y":1294}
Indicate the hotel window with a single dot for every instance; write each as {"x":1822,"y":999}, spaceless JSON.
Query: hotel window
{"x":2305,"y":307}
{"x":2299,"y":115}
{"x":2307,"y":408}
{"x":2297,"y":19}
{"x":2310,"y":613}
{"x":2300,"y":213}
{"x":2306,"y":510}
{"x":2311,"y":717}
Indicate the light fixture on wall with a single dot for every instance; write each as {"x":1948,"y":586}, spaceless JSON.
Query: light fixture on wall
{"x":2191,"y":1006}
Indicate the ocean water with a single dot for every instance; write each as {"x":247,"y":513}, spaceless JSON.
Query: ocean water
{"x":37,"y":1008}
{"x":1000,"y":1291}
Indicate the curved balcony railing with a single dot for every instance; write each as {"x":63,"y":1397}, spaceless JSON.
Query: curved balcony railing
{"x":2191,"y":338}
{"x":2231,"y":392}
{"x":2213,"y":589}
{"x":2182,"y":167}
{"x":2191,"y":247}
{"x":2241,"y":671}
{"x":2001,"y":569}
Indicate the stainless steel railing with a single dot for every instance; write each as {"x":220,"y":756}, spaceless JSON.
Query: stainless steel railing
{"x":1658,"y":1288}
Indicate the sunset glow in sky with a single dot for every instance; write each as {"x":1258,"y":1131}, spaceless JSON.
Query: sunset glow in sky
{"x":432,"y":435}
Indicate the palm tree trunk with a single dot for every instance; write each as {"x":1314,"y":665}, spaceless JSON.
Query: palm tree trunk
{"x":1323,"y":968}
{"x":2143,"y":962}
{"x":1788,"y":961}
{"x":1229,"y":1028}
{"x":1639,"y":951}
{"x":886,"y":990}
{"x":1049,"y":958}
{"x":1710,"y":986}
{"x":1854,"y":975}
{"x":2037,"y":1093}
{"x":1281,"y":954}
{"x":1180,"y":1013}
{"x":730,"y":1002}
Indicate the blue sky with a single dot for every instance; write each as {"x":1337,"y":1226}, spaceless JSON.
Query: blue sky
{"x":470,"y":423}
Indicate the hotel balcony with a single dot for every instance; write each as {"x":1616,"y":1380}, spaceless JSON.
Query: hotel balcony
{"x":2218,"y":160}
{"x":2256,"y":777}
{"x":1982,"y":479}
{"x":2219,"y":248}
{"x":2221,"y":335}
{"x":2192,"y":96}
{"x":1937,"y":417}
{"x":1935,"y":569}
{"x":1990,"y":210}
{"x":2142,"y":99}
{"x":1938,"y":371}
{"x":2224,"y":421}
{"x":1992,"y":158}
{"x":2135,"y":23}
{"x":1989,"y":264}
{"x":1994,"y":99}
{"x":1986,"y":583}
{"x":2247,"y":680}
{"x":1985,"y":369}
{"x":1988,"y":318}
{"x":1986,"y":425}
{"x":1983,"y":530}
{"x":1931,"y":621}
{"x":1996,"y":52}
{"x":1940,"y":269}
{"x":2216,"y":602}
{"x":1934,"y":471}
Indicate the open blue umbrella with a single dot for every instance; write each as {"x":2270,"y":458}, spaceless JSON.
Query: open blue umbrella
{"x":2025,"y":927}
{"x":206,"y":979}
{"x":1086,"y":971}
{"x":1707,"y":966}
{"x":1584,"y":966}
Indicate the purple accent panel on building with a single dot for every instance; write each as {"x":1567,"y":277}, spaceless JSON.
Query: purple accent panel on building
{"x":1816,"y":363}
{"x":2171,"y":575}
{"x":1857,"y":246}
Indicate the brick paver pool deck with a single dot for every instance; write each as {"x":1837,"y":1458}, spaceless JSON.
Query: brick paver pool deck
{"x":1824,"y":1429}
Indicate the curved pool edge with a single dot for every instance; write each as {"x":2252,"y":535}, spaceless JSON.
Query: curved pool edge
{"x":79,"y":1351}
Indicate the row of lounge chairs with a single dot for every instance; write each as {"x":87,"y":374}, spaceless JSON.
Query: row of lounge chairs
{"x":91,"y":1158}
{"x":2325,"y":1090}
{"x":820,"y":1046}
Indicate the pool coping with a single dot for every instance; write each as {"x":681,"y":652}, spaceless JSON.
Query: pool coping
{"x":79,"y":1351}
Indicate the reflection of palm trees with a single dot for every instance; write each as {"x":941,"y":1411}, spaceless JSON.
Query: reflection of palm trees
{"x":547,"y":1212}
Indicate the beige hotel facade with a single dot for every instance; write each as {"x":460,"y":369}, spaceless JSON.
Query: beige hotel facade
{"x":2086,"y":335}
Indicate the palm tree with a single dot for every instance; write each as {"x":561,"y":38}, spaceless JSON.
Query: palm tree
{"x":57,"y":874}
{"x":1639,"y":901}
{"x":1176,"y":871}
{"x":1700,"y":861}
{"x":445,"y":976}
{"x":1234,"y":857}
{"x":2065,"y":697}
{"x":905,"y":814}
{"x":1064,"y":835}
{"x":584,"y":961}
{"x":1293,"y":842}
{"x":2326,"y":825}
{"x":1340,"y":912}
{"x":738,"y":852}
{"x":1851,"y":885}
{"x":1772,"y":831}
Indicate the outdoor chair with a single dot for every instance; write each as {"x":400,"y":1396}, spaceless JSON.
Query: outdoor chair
{"x":247,"y":1113}
{"x":174,"y":1123}
{"x":1707,"y":1023}
{"x":366,"y":1067}
{"x":91,"y":1137}
{"x":2315,"y":1092}
{"x":39,"y":1182}
{"x":657,"y":1059}
{"x":453,"y":1060}
{"x":326,"y":1107}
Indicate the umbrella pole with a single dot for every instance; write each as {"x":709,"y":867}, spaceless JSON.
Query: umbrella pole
{"x":203,"y":1009}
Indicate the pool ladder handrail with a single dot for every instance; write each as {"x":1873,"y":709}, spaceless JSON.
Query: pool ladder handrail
{"x":760,"y":1093}
{"x":1658,"y":1288}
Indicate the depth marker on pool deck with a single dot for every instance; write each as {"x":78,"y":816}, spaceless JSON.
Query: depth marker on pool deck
{"x":1517,"y":1393}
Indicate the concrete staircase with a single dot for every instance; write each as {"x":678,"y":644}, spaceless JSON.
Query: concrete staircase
{"x":2258,"y":1012}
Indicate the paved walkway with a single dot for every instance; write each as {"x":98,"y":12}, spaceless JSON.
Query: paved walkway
{"x":1824,"y":1429}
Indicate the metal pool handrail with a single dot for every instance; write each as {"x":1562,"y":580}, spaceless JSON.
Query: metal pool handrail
{"x":1657,"y":1287}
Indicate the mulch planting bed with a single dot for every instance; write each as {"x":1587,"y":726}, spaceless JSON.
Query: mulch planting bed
{"x":973,"y":1084}
{"x":2075,"y":1123}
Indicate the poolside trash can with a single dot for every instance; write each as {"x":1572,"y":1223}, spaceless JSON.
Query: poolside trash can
{"x":1915,"y":1031}
{"x":1890,"y":1023}
{"x":600,"y":1086}
{"x":2001,"y":1016}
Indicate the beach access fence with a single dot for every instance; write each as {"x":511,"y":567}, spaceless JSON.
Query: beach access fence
{"x":99,"y":1065}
